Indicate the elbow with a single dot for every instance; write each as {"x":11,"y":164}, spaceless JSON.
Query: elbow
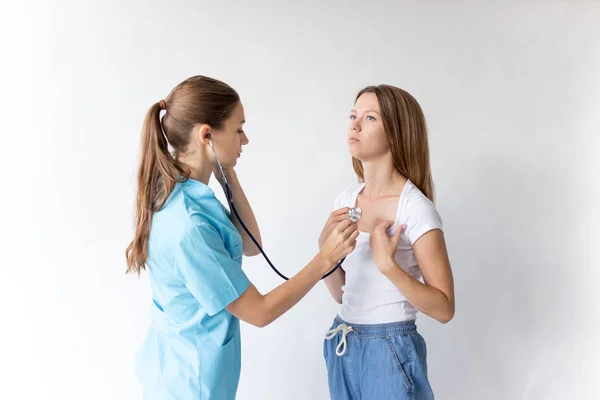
{"x":262,"y":322}
{"x":252,"y":250}
{"x":258,"y":322}
{"x":263,"y":315}
{"x":446,"y":316}
{"x":337,"y":297}
{"x":263,"y":318}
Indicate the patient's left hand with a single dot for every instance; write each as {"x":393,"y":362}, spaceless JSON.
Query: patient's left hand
{"x":383,"y":246}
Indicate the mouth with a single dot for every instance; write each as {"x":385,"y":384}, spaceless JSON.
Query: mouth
{"x":353,"y":140}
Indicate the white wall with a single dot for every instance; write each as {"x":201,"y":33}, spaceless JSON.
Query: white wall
{"x":511,"y":94}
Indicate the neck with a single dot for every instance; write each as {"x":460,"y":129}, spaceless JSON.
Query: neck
{"x":200,"y":168}
{"x":382,"y":177}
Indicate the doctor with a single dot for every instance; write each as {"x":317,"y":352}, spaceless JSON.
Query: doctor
{"x":193,"y":248}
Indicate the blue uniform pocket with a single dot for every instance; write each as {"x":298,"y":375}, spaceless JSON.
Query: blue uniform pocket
{"x":220,"y":368}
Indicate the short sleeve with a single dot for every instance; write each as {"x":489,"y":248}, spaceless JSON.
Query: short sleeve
{"x":342,"y":199}
{"x":422,"y":217}
{"x":209,"y":272}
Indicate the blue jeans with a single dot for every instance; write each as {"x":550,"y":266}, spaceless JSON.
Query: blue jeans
{"x":379,"y":362}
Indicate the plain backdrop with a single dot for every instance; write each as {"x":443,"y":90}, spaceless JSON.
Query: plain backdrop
{"x":511,"y":94}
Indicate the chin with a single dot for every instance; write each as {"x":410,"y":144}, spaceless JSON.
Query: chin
{"x":229,"y":163}
{"x":357,"y":154}
{"x":365,"y":156}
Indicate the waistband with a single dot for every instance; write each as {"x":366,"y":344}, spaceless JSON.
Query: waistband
{"x":377,"y":330}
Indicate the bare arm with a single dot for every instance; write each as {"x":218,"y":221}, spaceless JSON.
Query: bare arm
{"x":435,"y":297}
{"x":334,"y":284}
{"x":260,"y":310}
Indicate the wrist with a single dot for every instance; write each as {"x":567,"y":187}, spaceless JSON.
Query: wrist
{"x":231,"y":177}
{"x":323,"y":263}
{"x":388,"y":266}
{"x":229,"y":174}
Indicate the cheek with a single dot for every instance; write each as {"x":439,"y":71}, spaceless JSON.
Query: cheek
{"x":233,"y":143}
{"x":378,"y":139}
{"x":373,"y":133}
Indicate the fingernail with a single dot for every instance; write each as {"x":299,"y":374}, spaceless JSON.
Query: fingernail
{"x":403,"y":226}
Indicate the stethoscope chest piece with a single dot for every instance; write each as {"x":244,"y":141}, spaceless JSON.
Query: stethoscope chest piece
{"x":354,"y":214}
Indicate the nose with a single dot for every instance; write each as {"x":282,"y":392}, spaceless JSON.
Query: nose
{"x":354,"y":126}
{"x":244,"y":140}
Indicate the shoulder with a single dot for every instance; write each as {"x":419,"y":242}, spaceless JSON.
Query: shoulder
{"x":415,"y":201}
{"x":184,"y":217}
{"x":199,"y":202}
{"x":418,"y":213}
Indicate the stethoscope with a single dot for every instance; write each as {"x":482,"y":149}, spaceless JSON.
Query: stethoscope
{"x":354,"y":214}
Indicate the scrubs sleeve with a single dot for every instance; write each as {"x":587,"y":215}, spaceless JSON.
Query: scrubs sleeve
{"x":208,"y":270}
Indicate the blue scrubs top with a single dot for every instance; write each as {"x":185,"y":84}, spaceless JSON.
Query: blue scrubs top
{"x":192,"y":350}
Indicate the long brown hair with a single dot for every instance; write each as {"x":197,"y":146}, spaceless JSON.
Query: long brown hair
{"x":197,"y":100}
{"x":406,"y":130}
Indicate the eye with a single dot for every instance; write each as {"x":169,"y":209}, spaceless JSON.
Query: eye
{"x":241,"y":132}
{"x":370,"y":118}
{"x":352,"y":117}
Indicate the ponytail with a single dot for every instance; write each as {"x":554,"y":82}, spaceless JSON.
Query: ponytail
{"x":157,"y":175}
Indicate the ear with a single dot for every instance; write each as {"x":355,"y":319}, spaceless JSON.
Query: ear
{"x":202,"y":133}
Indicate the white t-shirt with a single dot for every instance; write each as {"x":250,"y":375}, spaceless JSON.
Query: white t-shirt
{"x":369,"y":297}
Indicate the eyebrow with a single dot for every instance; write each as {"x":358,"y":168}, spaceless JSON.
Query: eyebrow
{"x":373,"y":111}
{"x":243,"y":121}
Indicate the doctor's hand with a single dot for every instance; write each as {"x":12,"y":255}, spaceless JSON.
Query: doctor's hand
{"x":340,"y":243}
{"x":334,"y":219}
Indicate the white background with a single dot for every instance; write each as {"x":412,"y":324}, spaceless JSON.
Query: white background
{"x":510,"y":91}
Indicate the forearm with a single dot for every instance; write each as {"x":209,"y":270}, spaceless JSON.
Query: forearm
{"x":425,"y":298}
{"x":247,"y":215}
{"x":285,"y":296}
